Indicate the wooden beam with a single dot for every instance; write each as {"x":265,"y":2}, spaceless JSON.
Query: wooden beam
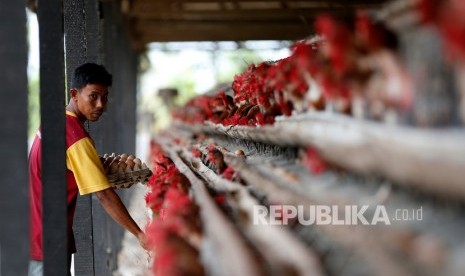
{"x":238,"y":15}
{"x":231,"y":20}
{"x":121,"y":62}
{"x":222,"y":32}
{"x":14,"y":192}
{"x":164,"y":11}
{"x":219,"y":232}
{"x":334,"y":2}
{"x":52,"y":100}
{"x":432,"y":161}
{"x":155,"y":25}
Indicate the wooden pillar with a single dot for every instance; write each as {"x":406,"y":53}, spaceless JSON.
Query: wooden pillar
{"x":117,"y":128}
{"x":14,"y":193}
{"x":52,"y":102}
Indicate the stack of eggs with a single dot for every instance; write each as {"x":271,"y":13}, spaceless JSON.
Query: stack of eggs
{"x":124,"y":170}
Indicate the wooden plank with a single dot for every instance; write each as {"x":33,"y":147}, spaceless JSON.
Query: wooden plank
{"x":75,"y":33}
{"x":221,"y":32}
{"x":123,"y":111}
{"x":14,"y":199}
{"x":162,"y":21}
{"x":103,"y":247}
{"x":94,"y":53}
{"x":335,"y":2}
{"x":116,"y":129}
{"x":239,"y":15}
{"x":140,"y":13}
{"x":153,"y":26}
{"x":52,"y":99}
{"x":153,"y":9}
{"x":93,"y":31}
{"x":83,"y":233}
{"x":97,"y":130}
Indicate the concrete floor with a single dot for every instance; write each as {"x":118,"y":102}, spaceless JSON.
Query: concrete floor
{"x":133,"y":260}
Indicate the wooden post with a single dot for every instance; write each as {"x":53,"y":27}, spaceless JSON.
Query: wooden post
{"x":52,"y":101}
{"x":14,"y":199}
{"x":117,"y":129}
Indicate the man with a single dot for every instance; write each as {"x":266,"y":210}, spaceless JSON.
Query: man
{"x":85,"y":173}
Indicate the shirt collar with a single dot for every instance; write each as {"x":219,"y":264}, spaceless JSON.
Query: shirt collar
{"x":71,"y":113}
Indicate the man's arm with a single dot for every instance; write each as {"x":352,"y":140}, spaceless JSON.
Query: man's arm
{"x":118,"y":212}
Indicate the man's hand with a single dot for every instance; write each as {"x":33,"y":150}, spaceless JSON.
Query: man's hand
{"x":143,"y":241}
{"x":116,"y":209}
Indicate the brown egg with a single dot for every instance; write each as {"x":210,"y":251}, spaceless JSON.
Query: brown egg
{"x":239,"y":152}
{"x":122,"y":165}
{"x":124,"y":157}
{"x":107,"y":162}
{"x":130,"y":163}
{"x":136,"y":161}
{"x":106,"y":168}
{"x":114,"y":167}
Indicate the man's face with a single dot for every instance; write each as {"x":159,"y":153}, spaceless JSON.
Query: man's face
{"x":90,"y":101}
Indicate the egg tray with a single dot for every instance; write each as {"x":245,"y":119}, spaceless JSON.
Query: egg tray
{"x":127,"y":179}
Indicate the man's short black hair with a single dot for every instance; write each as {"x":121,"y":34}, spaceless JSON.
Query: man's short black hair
{"x":90,"y":73}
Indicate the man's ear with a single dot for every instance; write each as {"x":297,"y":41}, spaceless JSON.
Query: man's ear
{"x":73,"y":93}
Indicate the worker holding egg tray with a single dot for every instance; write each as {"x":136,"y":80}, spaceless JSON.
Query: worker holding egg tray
{"x":86,"y":171}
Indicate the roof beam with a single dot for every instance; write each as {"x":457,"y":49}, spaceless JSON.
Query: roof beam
{"x":142,"y":9}
{"x":271,"y":15}
{"x":190,"y":31}
{"x":342,"y":2}
{"x":216,"y":20}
